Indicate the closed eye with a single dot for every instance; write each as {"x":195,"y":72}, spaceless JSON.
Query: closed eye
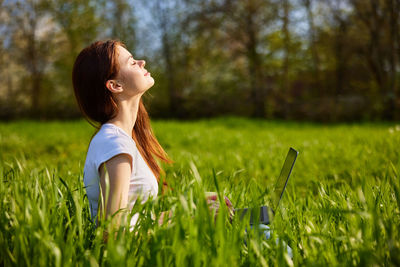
{"x":133,"y":60}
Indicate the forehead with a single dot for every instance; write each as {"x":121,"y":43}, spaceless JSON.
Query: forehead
{"x":123,"y":54}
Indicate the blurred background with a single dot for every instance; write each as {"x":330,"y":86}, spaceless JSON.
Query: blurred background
{"x":320,"y":60}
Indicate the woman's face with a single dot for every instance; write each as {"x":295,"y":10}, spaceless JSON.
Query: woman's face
{"x":132,"y":75}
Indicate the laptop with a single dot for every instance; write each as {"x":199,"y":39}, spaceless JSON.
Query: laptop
{"x":265,"y":213}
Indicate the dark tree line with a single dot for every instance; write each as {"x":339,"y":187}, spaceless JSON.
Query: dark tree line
{"x":324,"y":60}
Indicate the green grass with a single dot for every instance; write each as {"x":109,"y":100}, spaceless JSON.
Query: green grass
{"x":341,"y":207}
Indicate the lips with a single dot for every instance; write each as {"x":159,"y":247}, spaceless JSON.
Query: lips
{"x":147,"y":73}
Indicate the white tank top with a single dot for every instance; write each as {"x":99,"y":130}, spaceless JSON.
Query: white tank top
{"x":108,"y":142}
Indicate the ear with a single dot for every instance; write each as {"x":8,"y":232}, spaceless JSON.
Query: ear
{"x":113,"y":86}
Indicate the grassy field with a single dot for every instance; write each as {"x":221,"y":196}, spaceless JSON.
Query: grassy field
{"x":341,"y":207}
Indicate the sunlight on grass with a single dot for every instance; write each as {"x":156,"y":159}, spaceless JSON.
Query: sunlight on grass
{"x":341,"y":207}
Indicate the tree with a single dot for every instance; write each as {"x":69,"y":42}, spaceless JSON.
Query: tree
{"x":165,"y":16}
{"x":243,"y":29}
{"x":80,"y":23}
{"x":247,"y":25}
{"x":340,"y":28}
{"x":393,"y":8}
{"x":285,"y":31}
{"x":122,"y":22}
{"x":381,"y":23}
{"x":30,"y":43}
{"x":308,"y":4}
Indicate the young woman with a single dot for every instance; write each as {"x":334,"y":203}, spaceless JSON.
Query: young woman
{"x":108,"y":83}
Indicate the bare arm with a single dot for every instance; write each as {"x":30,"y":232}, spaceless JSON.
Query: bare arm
{"x":119,"y":169}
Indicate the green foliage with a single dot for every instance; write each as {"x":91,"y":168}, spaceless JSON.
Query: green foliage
{"x":325,"y":60}
{"x":341,"y":207}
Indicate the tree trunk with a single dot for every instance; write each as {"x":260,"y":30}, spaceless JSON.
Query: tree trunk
{"x":286,"y":39}
{"x":257,"y":95}
{"x":313,"y":45}
{"x":393,"y":9}
{"x":35,"y":75}
{"x":174,"y":99}
{"x":163,"y":13}
{"x":340,"y":68}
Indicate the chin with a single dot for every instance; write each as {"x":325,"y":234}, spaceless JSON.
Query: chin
{"x":147,"y":88}
{"x":151,"y":83}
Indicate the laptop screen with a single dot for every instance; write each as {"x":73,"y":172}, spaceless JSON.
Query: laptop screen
{"x":283,"y":177}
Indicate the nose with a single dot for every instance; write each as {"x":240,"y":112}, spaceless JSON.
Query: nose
{"x":142,"y":63}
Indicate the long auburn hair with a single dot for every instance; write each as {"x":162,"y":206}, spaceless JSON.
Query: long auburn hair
{"x":94,"y":66}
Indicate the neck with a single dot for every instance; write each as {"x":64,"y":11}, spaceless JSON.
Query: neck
{"x":127,"y":114}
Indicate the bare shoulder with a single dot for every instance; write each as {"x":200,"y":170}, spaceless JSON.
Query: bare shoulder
{"x":120,"y":164}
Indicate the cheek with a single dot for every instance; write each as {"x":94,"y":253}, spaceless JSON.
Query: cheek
{"x":137,"y":81}
{"x":129,"y":78}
